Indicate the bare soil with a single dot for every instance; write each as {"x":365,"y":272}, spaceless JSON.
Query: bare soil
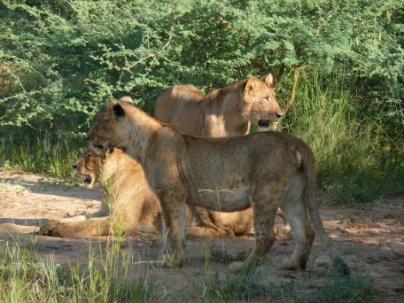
{"x":371,"y":240}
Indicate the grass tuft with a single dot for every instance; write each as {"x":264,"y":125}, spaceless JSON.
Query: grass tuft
{"x":352,"y":163}
{"x":25,"y":278}
{"x":355,"y":289}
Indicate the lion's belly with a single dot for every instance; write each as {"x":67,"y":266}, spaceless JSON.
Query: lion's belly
{"x":223,"y":199}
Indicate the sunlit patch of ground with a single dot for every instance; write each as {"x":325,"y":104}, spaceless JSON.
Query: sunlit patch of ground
{"x":372,"y":242}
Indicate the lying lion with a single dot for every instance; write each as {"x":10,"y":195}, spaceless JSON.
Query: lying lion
{"x":266,"y":171}
{"x":223,"y":112}
{"x":135,"y":206}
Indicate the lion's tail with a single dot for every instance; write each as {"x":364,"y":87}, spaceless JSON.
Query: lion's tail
{"x":308,"y":166}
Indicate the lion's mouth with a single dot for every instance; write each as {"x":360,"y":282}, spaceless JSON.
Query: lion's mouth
{"x":263,"y":123}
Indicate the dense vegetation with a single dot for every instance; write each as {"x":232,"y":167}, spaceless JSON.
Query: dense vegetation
{"x":61,"y":60}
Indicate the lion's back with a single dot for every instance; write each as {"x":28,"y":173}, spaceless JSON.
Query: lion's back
{"x":175,"y":100}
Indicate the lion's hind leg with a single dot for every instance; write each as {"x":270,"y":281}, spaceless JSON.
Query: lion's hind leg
{"x":295,"y":211}
{"x":89,"y":228}
{"x":265,"y":201}
{"x":303,"y":233}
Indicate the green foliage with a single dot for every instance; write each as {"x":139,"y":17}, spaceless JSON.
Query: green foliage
{"x":347,"y":146}
{"x":61,"y":60}
{"x":53,"y":155}
{"x":65,"y":58}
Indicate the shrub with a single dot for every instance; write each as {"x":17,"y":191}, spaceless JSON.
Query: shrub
{"x":61,"y":60}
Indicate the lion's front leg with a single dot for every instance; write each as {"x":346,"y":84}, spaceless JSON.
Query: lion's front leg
{"x":173,"y":216}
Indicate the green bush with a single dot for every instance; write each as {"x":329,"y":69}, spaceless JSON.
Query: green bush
{"x":68,"y":57}
{"x":61,"y":60}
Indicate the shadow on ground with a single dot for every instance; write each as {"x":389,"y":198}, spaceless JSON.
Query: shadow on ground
{"x":371,"y":241}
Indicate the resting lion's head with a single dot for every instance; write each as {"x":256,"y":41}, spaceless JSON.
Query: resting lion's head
{"x":97,"y":168}
{"x":88,"y":165}
{"x":260,"y":102}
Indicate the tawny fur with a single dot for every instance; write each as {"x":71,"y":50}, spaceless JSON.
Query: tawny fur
{"x":117,"y":166}
{"x":266,"y":171}
{"x":223,"y":112}
{"x":134,"y":208}
{"x":11,"y":228}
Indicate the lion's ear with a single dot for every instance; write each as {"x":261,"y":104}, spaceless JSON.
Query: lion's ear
{"x":250,"y":86}
{"x":269,"y":80}
{"x":118,"y":110}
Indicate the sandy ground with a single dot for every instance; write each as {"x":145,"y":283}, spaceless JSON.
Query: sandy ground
{"x":372,"y":240}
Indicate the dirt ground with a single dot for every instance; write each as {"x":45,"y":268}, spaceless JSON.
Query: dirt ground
{"x":371,"y":240}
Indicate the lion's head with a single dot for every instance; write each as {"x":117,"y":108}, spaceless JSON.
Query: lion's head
{"x":89,"y":165}
{"x":98,"y":168}
{"x":260,"y":102}
{"x":109,"y":128}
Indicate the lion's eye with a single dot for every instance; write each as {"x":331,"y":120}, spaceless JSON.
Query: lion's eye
{"x":268,"y":99}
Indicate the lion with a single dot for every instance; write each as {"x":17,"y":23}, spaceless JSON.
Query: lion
{"x":223,"y":112}
{"x":200,"y":222}
{"x":133,"y":207}
{"x":265,"y":171}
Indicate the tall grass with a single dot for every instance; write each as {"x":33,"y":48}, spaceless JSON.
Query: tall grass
{"x":41,"y":154}
{"x":352,"y":163}
{"x":25,"y":278}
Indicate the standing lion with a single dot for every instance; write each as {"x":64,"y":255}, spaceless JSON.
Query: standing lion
{"x":265,"y":171}
{"x":225,"y":112}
